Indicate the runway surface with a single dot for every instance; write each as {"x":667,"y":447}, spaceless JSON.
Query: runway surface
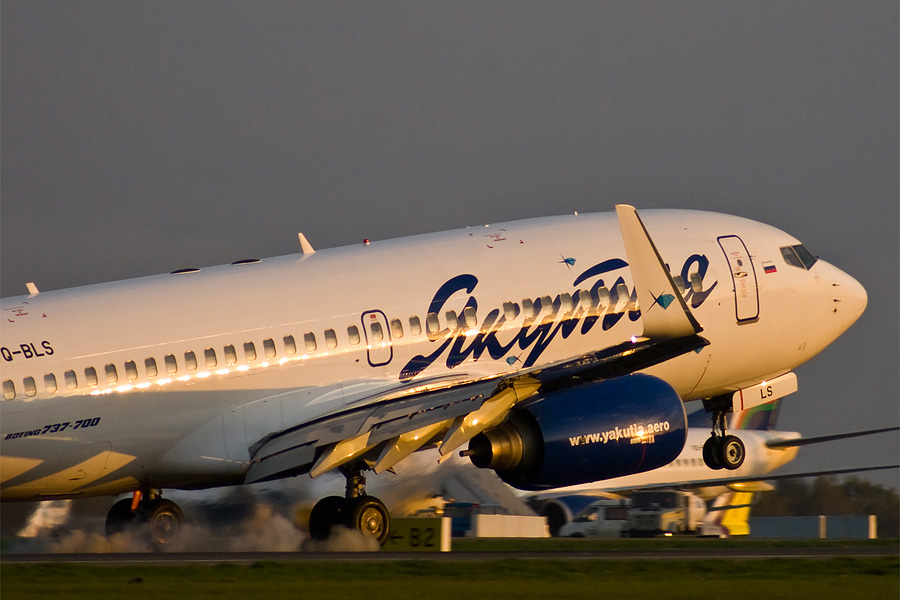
{"x":733,"y":553}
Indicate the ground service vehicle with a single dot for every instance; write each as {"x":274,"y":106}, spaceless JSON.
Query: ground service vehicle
{"x":664,"y":512}
{"x":605,"y":518}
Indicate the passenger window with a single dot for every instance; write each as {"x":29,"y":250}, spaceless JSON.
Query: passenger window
{"x":377,"y":331}
{"x":452,"y":321}
{"x":131,"y":370}
{"x":547,"y":304}
{"x":171,"y":364}
{"x":679,"y":284}
{"x":396,"y":328}
{"x":269,"y":347}
{"x":249,"y":351}
{"x":330,"y":338}
{"x":584,"y":299}
{"x":431,"y":323}
{"x":210,"y":356}
{"x":71,"y":380}
{"x":528,"y":308}
{"x":112,"y":376}
{"x":415,"y":326}
{"x":230,"y":355}
{"x":30,"y":389}
{"x":353,"y":334}
{"x":565,"y":303}
{"x":150,"y":367}
{"x":190,"y":360}
{"x":90,"y":376}
{"x":50,"y":383}
{"x":696,"y":283}
{"x":309,"y":339}
{"x":622,"y":295}
{"x":510,"y":311}
{"x":602,"y":298}
{"x":9,"y":389}
{"x":290,"y":347}
{"x":469,"y":316}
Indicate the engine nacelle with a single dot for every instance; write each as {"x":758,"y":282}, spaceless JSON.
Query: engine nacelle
{"x":596,"y":431}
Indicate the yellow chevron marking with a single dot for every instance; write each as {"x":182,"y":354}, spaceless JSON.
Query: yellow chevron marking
{"x":13,"y":466}
{"x":77,"y":476}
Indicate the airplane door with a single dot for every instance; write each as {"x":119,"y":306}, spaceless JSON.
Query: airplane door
{"x":746,"y":295}
{"x":378,"y":338}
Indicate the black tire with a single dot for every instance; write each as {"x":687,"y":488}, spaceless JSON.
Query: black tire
{"x":711,"y":454}
{"x":369,"y":515}
{"x":731,"y":452}
{"x":120,"y":519}
{"x":327,"y":513}
{"x":164,"y":520}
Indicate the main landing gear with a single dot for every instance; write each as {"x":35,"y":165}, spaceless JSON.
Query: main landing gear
{"x":149,"y":516}
{"x":355,"y":510}
{"x":721,"y":450}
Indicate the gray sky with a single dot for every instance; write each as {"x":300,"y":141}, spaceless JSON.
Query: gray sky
{"x":141,"y":137}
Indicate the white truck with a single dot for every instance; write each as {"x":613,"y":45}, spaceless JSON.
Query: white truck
{"x":604,"y":518}
{"x":665,"y":512}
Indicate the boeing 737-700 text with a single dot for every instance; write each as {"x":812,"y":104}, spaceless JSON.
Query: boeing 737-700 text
{"x":558,"y":351}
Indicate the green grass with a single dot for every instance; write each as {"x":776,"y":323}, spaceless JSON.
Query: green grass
{"x":773,"y":579}
{"x":651,"y":544}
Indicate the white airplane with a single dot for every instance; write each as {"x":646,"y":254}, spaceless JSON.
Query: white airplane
{"x":560,"y":350}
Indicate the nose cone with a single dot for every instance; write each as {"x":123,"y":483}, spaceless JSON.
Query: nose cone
{"x":850,"y":298}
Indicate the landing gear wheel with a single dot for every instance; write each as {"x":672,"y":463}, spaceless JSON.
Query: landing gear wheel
{"x":120,"y":519}
{"x":164,"y":520}
{"x":327,"y":513}
{"x":731,"y":452}
{"x":711,"y":454}
{"x":369,"y":515}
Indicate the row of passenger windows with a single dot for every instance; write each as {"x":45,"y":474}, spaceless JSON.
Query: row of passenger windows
{"x":169,"y":366}
{"x":210,"y":359}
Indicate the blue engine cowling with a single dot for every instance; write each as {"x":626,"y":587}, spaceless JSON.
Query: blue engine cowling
{"x":587,"y":433}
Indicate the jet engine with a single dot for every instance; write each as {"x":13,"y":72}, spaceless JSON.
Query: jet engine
{"x":587,"y":433}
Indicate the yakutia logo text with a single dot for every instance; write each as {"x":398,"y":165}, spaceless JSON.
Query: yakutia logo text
{"x":534,"y":335}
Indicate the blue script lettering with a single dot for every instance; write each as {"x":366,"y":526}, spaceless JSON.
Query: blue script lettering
{"x":544,"y":323}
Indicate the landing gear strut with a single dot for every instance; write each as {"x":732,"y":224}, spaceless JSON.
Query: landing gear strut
{"x":355,"y":510}
{"x":149,"y":516}
{"x":721,"y":450}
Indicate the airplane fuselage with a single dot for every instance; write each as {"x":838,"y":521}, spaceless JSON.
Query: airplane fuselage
{"x":173,"y":380}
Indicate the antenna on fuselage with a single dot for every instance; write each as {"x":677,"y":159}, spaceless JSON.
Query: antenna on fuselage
{"x":305,"y":247}
{"x":32,"y":289}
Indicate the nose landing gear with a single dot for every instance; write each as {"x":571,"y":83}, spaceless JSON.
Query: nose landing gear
{"x":355,"y":510}
{"x":722,"y":450}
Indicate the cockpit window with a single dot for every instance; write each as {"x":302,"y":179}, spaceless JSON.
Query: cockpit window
{"x":805,"y":255}
{"x":798,"y":256}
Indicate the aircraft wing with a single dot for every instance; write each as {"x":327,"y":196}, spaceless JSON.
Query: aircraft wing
{"x":412,"y":417}
{"x":737,"y":483}
{"x":825,"y":438}
{"x":387,"y":427}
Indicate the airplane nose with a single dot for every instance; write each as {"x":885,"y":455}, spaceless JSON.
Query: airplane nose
{"x":850,"y":298}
